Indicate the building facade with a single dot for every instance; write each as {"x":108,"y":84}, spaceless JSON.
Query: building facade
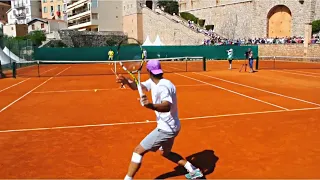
{"x":4,"y":7}
{"x":46,"y":25}
{"x":23,"y":11}
{"x":94,"y":15}
{"x":54,"y":9}
{"x":255,"y":18}
{"x":15,"y":30}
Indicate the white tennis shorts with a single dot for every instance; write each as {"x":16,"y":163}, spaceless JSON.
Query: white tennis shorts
{"x":159,"y":140}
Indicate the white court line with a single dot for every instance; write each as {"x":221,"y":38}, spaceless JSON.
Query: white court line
{"x":14,"y":85}
{"x":306,"y":72}
{"x":23,"y":81}
{"x":147,"y":121}
{"x":111,"y":89}
{"x":270,"y":92}
{"x":32,"y":90}
{"x":233,"y":91}
{"x":48,"y":70}
{"x":296,"y":73}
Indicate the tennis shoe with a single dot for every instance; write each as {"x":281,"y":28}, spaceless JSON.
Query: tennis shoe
{"x":195,"y":174}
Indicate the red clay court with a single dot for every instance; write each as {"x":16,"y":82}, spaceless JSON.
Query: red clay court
{"x":234,"y":125}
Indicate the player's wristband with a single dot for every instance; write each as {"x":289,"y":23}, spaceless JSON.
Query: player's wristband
{"x":151,"y":106}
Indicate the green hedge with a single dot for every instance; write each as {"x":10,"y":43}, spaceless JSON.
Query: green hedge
{"x":189,"y":16}
{"x":316,"y":26}
{"x":209,"y":27}
{"x":201,"y":22}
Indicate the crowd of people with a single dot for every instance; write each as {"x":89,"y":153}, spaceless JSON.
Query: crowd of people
{"x":215,"y":39}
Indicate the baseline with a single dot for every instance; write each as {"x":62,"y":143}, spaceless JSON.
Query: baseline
{"x":148,"y":121}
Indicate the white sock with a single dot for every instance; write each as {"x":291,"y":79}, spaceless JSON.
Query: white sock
{"x":189,"y":167}
{"x":127,"y":178}
{"x":230,"y":66}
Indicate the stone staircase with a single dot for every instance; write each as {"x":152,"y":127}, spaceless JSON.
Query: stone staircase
{"x":170,"y":29}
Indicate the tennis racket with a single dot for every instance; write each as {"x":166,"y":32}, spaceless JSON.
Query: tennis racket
{"x":131,"y":59}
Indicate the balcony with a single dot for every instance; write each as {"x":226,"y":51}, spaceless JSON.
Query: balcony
{"x":19,"y":6}
{"x":76,"y":4}
{"x":82,"y":23}
{"x":20,"y":16}
{"x":79,"y":14}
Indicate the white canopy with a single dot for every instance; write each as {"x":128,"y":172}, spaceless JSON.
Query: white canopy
{"x":158,"y":42}
{"x":147,"y":42}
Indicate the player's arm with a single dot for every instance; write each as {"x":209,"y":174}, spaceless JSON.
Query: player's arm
{"x":165,"y":106}
{"x":166,"y":101}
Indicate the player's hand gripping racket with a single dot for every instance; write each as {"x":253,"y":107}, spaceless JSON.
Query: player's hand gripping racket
{"x":131,"y":59}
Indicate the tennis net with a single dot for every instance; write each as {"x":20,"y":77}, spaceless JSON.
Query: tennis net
{"x":86,"y":68}
{"x":288,"y":62}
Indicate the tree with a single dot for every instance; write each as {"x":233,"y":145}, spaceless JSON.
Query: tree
{"x":169,"y":6}
{"x":316,"y":26}
{"x":36,"y":37}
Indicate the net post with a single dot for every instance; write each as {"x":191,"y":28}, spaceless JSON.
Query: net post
{"x":257,"y":63}
{"x":204,"y":62}
{"x":38,"y":64}
{"x":274,"y":62}
{"x":186,"y":59}
{"x":14,"y":68}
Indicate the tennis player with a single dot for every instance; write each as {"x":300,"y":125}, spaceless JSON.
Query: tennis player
{"x":110,"y":54}
{"x":164,"y":103}
{"x":230,"y":57}
{"x":250,"y":55}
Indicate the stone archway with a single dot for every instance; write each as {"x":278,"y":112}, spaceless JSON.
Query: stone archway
{"x":279,"y":22}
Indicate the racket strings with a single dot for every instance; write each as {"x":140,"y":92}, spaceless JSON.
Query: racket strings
{"x":132,"y":66}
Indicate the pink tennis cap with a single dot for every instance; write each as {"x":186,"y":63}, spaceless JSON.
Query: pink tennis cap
{"x":154,"y":67}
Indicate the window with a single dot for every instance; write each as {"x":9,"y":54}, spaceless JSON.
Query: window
{"x":42,"y":25}
{"x":94,"y":3}
{"x":52,"y":9}
{"x":45,"y":9}
{"x":59,"y":8}
{"x":33,"y":27}
{"x":94,"y":15}
{"x":44,"y":1}
{"x":27,"y":10}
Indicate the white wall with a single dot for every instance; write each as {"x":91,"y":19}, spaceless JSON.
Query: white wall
{"x":109,"y":15}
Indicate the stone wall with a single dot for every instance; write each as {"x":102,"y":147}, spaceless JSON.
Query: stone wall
{"x":317,"y":12}
{"x":169,"y":31}
{"x":73,"y":38}
{"x":248,"y":18}
{"x":289,"y":50}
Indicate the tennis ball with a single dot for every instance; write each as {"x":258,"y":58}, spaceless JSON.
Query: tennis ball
{"x":95,"y":90}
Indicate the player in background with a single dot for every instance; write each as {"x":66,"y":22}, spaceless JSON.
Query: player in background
{"x":230,"y":57}
{"x":250,"y":54}
{"x":110,"y":54}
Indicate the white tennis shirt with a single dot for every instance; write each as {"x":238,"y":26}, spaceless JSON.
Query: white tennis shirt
{"x":164,"y":91}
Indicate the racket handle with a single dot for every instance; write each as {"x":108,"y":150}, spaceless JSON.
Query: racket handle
{"x":140,"y":93}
